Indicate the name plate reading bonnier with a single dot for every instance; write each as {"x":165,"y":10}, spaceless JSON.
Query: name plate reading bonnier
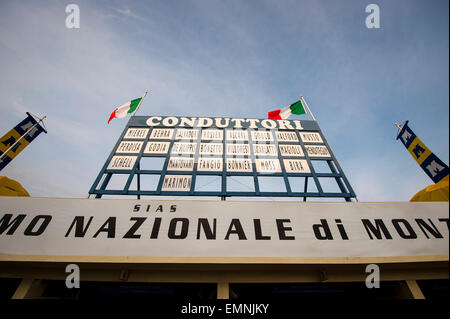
{"x":177,"y":183}
{"x":129,"y":147}
{"x":140,"y":133}
{"x":239,"y":165}
{"x":156,"y":147}
{"x":161,"y":134}
{"x":209,"y":164}
{"x":296,"y":166}
{"x":122,"y":162}
{"x":317,"y":151}
{"x":268,"y":165}
{"x":180,"y":164}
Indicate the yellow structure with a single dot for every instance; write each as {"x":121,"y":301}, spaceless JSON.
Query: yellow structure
{"x":438,"y":192}
{"x":10,"y":187}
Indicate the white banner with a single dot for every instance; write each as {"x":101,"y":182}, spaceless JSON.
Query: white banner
{"x":147,"y":228}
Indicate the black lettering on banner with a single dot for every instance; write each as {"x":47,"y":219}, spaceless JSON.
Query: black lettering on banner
{"x":445,"y":220}
{"x":136,"y":208}
{"x":411,"y":233}
{"x":282,"y":229}
{"x":184,"y":228}
{"x":109,"y":227}
{"x":431,"y":229}
{"x":29,"y":230}
{"x":80,"y":230}
{"x":5,"y":223}
{"x":159,"y":209}
{"x":155,"y":228}
{"x":235,"y":228}
{"x":258,"y":231}
{"x":380,"y":227}
{"x":341,"y":229}
{"x":131,"y":233}
{"x":204,"y":223}
{"x":326,"y":230}
{"x":173,"y":208}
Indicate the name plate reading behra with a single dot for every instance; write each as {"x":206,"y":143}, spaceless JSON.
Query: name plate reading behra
{"x":156,"y":147}
{"x":129,"y":147}
{"x":268,"y":165}
{"x":209,"y":164}
{"x":296,"y":166}
{"x":122,"y":162}
{"x":239,"y":165}
{"x":161,"y":134}
{"x":140,"y":133}
{"x":317,"y":151}
{"x":177,"y":183}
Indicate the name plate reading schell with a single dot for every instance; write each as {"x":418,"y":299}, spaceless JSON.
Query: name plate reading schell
{"x":122,"y":162}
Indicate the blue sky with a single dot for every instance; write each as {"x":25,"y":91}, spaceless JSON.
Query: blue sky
{"x":230,"y":59}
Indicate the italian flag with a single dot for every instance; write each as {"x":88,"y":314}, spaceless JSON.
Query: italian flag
{"x":123,"y":110}
{"x":285,"y":112}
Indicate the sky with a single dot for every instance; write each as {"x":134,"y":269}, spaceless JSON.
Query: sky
{"x":231,"y":58}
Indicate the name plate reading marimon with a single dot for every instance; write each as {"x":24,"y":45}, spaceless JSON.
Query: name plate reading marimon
{"x":156,"y":147}
{"x":139,"y":133}
{"x":177,"y":183}
{"x":129,"y":147}
{"x":122,"y":162}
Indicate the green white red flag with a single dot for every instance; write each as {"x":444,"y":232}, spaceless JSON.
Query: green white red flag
{"x":284,"y":113}
{"x":123,"y":110}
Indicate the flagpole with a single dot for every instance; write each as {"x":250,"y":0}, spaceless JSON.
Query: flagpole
{"x":21,"y":138}
{"x":306,"y":104}
{"x":139,"y":105}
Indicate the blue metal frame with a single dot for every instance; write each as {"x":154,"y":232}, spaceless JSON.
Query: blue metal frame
{"x":346,"y":191}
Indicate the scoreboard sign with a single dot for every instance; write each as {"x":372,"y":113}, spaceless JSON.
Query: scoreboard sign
{"x":226,"y":148}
